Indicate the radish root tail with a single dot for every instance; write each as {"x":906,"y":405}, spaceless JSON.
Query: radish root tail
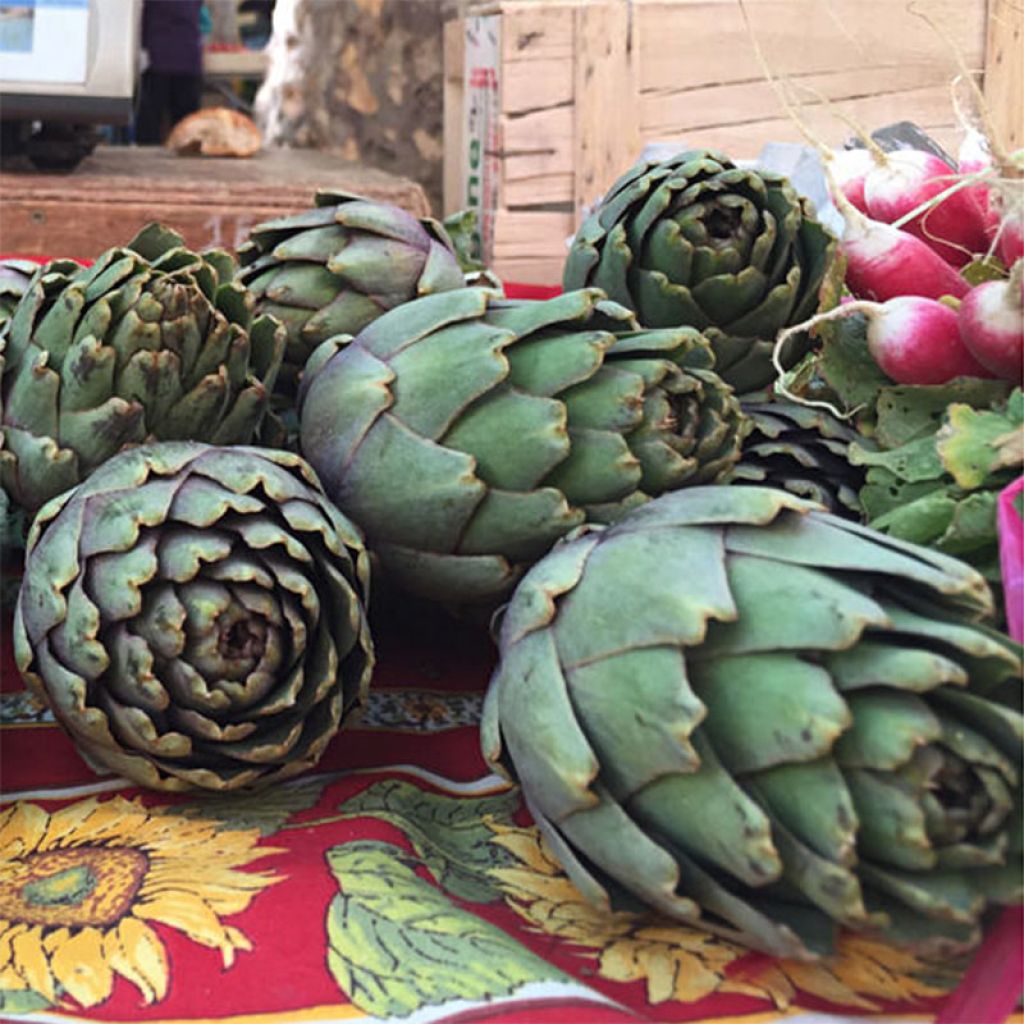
{"x":837,"y":313}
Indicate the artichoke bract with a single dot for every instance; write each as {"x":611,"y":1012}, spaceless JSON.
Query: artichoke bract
{"x":695,"y":240}
{"x":195,"y":616}
{"x":151,"y":343}
{"x":15,"y":276}
{"x":337,"y":267}
{"x":466,"y":434}
{"x":745,"y":712}
{"x":804,"y":450}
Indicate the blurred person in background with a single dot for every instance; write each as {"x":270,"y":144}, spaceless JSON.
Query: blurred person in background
{"x":172,"y":82}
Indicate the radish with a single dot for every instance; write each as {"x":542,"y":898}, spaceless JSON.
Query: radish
{"x":908,"y":178}
{"x":883,"y":262}
{"x":1010,"y":239}
{"x":914,"y":340}
{"x":1000,"y":199}
{"x":1008,"y":212}
{"x":991,"y":321}
{"x":917,"y":341}
{"x":849,"y":167}
{"x":975,"y":157}
{"x":974,"y":154}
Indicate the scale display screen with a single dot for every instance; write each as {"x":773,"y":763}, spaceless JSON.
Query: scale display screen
{"x":44,"y":41}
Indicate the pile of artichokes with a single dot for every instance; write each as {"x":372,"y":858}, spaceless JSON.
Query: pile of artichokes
{"x":720,"y":701}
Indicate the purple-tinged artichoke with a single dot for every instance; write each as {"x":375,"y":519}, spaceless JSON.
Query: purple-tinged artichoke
{"x":196,"y":616}
{"x":337,"y":267}
{"x":153,"y":342}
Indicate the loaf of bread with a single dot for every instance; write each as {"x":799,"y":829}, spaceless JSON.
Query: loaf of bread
{"x":215,"y":131}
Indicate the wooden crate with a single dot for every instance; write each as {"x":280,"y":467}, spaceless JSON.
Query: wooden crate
{"x":583,"y":85}
{"x":210,"y":202}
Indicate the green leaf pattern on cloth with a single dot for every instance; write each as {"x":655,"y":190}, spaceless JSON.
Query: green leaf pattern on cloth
{"x":266,"y":810}
{"x":397,"y":943}
{"x":22,"y":1000}
{"x":451,"y":836}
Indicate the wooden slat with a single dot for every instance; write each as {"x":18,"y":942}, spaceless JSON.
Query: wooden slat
{"x":869,"y":61}
{"x":744,"y":141}
{"x":531,"y":85}
{"x":930,"y":106}
{"x":454,"y":114}
{"x":519,"y":229}
{"x":684,"y":110}
{"x":1004,"y":72}
{"x":537,"y":42}
{"x":537,"y":158}
{"x":540,"y":267}
{"x":708,"y":42}
{"x":605,"y":97}
{"x":530,"y":246}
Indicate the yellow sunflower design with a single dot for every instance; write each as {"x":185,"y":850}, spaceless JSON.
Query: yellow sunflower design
{"x":79,"y":888}
{"x":686,"y":964}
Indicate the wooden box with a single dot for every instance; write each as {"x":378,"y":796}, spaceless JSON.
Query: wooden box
{"x":211,"y":202}
{"x":582,"y":85}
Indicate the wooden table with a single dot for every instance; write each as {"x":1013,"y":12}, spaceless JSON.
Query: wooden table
{"x":210,"y":201}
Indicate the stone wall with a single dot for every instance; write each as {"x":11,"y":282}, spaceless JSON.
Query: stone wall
{"x":362,"y":78}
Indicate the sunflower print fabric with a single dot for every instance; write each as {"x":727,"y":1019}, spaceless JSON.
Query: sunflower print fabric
{"x":82,"y":887}
{"x":400,"y":882}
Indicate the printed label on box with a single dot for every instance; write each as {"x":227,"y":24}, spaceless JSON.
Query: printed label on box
{"x":482,"y":134}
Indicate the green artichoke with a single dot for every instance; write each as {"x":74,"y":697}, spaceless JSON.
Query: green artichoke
{"x":695,"y":240}
{"x":804,"y":450}
{"x":335,"y":268}
{"x":153,"y":342}
{"x":466,"y":434}
{"x":743,"y":711}
{"x":15,"y":276}
{"x":195,"y":616}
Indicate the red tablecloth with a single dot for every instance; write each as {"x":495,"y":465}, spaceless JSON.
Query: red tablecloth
{"x":400,"y":878}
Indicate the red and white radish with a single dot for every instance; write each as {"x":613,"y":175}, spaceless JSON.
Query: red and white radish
{"x":1010,"y":239}
{"x":1007,"y":206}
{"x":909,"y":178}
{"x":913,"y":340}
{"x":975,"y":157}
{"x":974,"y":154}
{"x":883,"y":262}
{"x":848,"y":169}
{"x":991,"y":322}
{"x":917,"y":341}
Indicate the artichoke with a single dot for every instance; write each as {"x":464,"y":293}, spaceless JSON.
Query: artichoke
{"x":195,"y":616}
{"x":804,"y":450}
{"x":695,"y":240}
{"x":466,"y":434}
{"x":743,"y":711}
{"x":15,"y":276}
{"x":151,"y":343}
{"x":335,"y":268}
